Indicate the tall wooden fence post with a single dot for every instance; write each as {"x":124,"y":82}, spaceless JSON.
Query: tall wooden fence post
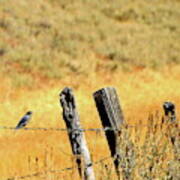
{"x":76,"y":137}
{"x":111,"y":115}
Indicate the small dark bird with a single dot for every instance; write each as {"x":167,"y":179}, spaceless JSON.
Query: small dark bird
{"x":24,"y":120}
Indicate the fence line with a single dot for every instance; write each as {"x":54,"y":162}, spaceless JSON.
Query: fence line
{"x":112,"y":120}
{"x":35,"y":174}
{"x":81,"y":129}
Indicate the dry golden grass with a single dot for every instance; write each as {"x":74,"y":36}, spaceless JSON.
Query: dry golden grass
{"x":49,"y":44}
{"x":141,"y":91}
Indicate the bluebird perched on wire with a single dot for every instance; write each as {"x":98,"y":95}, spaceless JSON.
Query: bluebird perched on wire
{"x":24,"y":120}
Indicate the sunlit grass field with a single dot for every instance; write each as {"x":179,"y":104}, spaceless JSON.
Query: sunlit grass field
{"x":46,"y":45}
{"x":140,"y":92}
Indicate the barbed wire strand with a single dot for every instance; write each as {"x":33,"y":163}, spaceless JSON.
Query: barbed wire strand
{"x":39,"y":173}
{"x":82,"y":129}
{"x":56,"y":171}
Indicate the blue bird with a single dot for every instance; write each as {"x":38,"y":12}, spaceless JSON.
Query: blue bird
{"x":24,"y":120}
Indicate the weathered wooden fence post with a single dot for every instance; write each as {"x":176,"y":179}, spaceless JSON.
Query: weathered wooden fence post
{"x":76,"y":137}
{"x":169,"y":111}
{"x":111,"y":116}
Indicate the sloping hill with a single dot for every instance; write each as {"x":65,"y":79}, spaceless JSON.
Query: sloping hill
{"x":52,"y":38}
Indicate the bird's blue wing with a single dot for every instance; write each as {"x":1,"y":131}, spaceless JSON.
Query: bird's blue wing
{"x":23,"y":121}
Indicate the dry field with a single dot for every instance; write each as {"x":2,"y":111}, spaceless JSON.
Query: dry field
{"x":141,"y":93}
{"x":46,"y":45}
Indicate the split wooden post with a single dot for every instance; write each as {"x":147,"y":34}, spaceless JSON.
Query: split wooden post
{"x":169,"y":111}
{"x":76,"y":137}
{"x":111,"y":115}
